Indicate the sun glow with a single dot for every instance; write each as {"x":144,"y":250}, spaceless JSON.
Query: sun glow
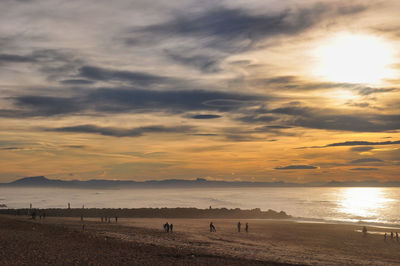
{"x":355,"y":59}
{"x":363,"y":202}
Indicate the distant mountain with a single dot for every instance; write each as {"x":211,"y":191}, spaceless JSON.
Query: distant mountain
{"x":41,"y":181}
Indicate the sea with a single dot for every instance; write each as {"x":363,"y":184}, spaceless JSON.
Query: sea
{"x":380,"y":206}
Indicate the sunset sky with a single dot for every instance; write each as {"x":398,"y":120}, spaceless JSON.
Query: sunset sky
{"x":253,"y":90}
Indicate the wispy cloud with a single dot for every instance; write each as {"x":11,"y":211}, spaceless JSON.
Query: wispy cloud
{"x":296,"y":167}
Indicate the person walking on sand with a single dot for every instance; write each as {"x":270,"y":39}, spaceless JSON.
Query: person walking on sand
{"x":397,"y":237}
{"x":391,"y":235}
{"x":171,"y":227}
{"x":364,"y":230}
{"x":385,"y":237}
{"x":166,"y":227}
{"x":247,"y":227}
{"x":238,"y":226}
{"x":212,"y":227}
{"x":116,"y":219}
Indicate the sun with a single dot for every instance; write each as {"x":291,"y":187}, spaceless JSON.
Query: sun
{"x":353,"y":58}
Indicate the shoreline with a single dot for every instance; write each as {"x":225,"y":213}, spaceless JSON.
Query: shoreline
{"x":165,"y":212}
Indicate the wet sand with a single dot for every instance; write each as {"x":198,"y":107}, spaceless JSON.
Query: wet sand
{"x":143,"y":241}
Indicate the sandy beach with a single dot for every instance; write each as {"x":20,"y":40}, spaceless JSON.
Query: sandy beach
{"x":143,"y":241}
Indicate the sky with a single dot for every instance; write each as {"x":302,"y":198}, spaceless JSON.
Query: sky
{"x":255,"y":90}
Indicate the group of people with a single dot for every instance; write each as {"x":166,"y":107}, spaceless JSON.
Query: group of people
{"x":239,"y":225}
{"x":168,"y":227}
{"x":108,"y":219}
{"x":392,"y":236}
{"x":41,"y":215}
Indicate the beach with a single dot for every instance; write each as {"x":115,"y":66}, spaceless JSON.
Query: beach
{"x":144,"y":241}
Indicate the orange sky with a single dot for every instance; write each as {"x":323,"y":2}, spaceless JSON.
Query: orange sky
{"x":253,"y":90}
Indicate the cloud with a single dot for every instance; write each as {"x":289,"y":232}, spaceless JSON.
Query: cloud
{"x":332,"y":119}
{"x":10,"y":148}
{"x":362,"y":143}
{"x":361,"y":149}
{"x":353,"y":143}
{"x":369,"y":91}
{"x":296,"y":167}
{"x":364,"y":169}
{"x":230,"y":29}
{"x":205,"y":63}
{"x":109,"y":101}
{"x":207,"y":116}
{"x":366,"y":160}
{"x":12,"y":58}
{"x":103,"y":74}
{"x":77,"y":82}
{"x":122,"y":132}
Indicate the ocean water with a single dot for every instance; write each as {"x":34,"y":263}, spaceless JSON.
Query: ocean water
{"x":369,"y":205}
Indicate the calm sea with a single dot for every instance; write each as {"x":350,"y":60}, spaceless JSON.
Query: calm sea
{"x":371,"y":205}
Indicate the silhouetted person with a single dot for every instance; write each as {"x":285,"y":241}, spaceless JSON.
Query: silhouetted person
{"x":397,"y":237}
{"x":166,"y":227}
{"x":44,"y":215}
{"x":116,"y":219}
{"x":34,"y":215}
{"x":102,"y":218}
{"x":238,"y":226}
{"x":391,"y":235}
{"x":385,"y":236}
{"x":83,"y":227}
{"x":364,"y":230}
{"x":212,"y":227}
{"x":171,"y":227}
{"x":109,"y":219}
{"x":247,"y":227}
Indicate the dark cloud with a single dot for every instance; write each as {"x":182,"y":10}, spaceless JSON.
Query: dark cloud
{"x":77,"y":82}
{"x":11,"y":58}
{"x":205,"y":63}
{"x":354,"y":143}
{"x":364,"y":169}
{"x":122,"y":132}
{"x":10,"y":148}
{"x":75,"y":146}
{"x":360,"y":104}
{"x":331,"y":119}
{"x":362,"y":143}
{"x":294,"y":83}
{"x":280,"y":80}
{"x":361,"y":149}
{"x":103,"y":74}
{"x":232,"y":29}
{"x":296,"y":167}
{"x":257,"y":118}
{"x":208,"y":116}
{"x":366,"y":160}
{"x":369,"y":91}
{"x":48,"y":106}
{"x":109,"y":101}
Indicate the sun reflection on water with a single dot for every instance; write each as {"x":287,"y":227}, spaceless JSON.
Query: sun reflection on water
{"x":363,"y":202}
